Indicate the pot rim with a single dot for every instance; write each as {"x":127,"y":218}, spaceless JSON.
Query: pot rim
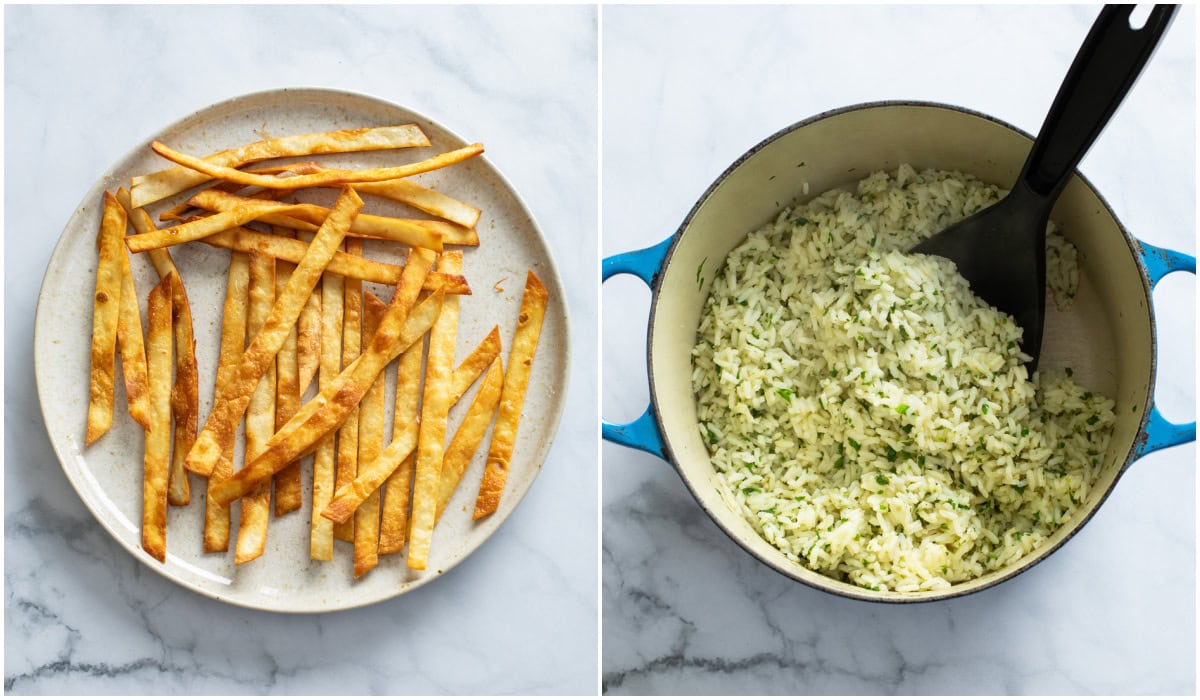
{"x":819,"y":581}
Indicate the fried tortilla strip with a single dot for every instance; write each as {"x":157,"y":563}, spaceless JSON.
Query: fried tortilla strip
{"x":435,"y":407}
{"x":516,"y":380}
{"x":196,"y":229}
{"x":325,"y":456}
{"x":331,"y":176}
{"x":353,"y":266}
{"x":164,"y":183}
{"x":425,"y":199}
{"x":370,"y":443}
{"x":185,"y":396}
{"x":308,"y":332}
{"x":133,"y":348}
{"x":329,"y":409}
{"x":347,"y":436}
{"x":307,"y":217}
{"x":393,"y":526}
{"x":233,"y":344}
{"x":469,"y":434}
{"x":156,"y":463}
{"x":287,"y":398}
{"x":404,"y":191}
{"x":179,"y":211}
{"x":106,"y":311}
{"x":260,"y":415}
{"x":396,"y":463}
{"x":218,"y":429}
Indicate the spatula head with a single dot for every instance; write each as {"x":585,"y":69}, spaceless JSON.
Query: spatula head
{"x":1001,"y":252}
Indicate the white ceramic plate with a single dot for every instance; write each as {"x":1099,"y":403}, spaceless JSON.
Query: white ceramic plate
{"x":107,"y":475}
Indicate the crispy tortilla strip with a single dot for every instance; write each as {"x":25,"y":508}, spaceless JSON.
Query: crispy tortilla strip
{"x":233,"y":344}
{"x":370,"y":443}
{"x":219,"y":427}
{"x":185,"y":396}
{"x":393,"y":526}
{"x":329,"y":409}
{"x":404,"y":191}
{"x":196,"y":229}
{"x":287,"y":399}
{"x":397,"y":463}
{"x":106,"y":310}
{"x":325,"y":457}
{"x":331,"y":176}
{"x":469,"y":434}
{"x":133,"y":348}
{"x":352,"y":335}
{"x":348,"y":265}
{"x":308,"y":333}
{"x":425,"y":199}
{"x":307,"y":217}
{"x":179,"y":211}
{"x":156,"y":464}
{"x":435,"y":407}
{"x":479,"y":359}
{"x":260,"y":415}
{"x":516,"y":380}
{"x":155,"y":186}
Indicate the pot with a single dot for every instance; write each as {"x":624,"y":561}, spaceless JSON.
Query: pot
{"x":1107,"y":336}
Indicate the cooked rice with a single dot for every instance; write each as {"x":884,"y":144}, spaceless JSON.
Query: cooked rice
{"x":867,"y":414}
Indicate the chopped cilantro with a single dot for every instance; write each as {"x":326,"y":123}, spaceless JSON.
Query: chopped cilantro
{"x":902,"y":409}
{"x":853,"y":443}
{"x":881,"y":479}
{"x":786,"y":394}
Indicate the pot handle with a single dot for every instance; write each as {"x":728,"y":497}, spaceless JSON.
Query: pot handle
{"x":1159,"y":432}
{"x":645,"y":264}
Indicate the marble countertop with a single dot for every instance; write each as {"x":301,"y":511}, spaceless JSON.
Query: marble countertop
{"x":83,"y":85}
{"x":686,"y":91}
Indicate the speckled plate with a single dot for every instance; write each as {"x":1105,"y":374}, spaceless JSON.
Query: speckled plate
{"x":108,"y":474}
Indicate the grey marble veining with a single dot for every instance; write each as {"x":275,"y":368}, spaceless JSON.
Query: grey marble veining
{"x":85,"y":84}
{"x":685,"y":610}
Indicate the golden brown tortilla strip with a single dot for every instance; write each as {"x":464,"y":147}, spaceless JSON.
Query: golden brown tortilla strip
{"x":370,"y":443}
{"x":233,"y":344}
{"x":435,"y":407}
{"x":396,"y":464}
{"x":329,"y":409}
{"x":106,"y":310}
{"x":155,"y":186}
{"x":393,"y":526}
{"x":260,"y":415}
{"x":287,"y":398}
{"x":353,"y":266}
{"x":218,"y":429}
{"x":425,"y":199}
{"x":133,"y":348}
{"x":331,"y":176}
{"x":325,"y":456}
{"x":185,"y":396}
{"x":347,"y":436}
{"x":308,"y":332}
{"x":180,"y":211}
{"x":468,"y":436}
{"x":516,"y":380}
{"x":156,"y":463}
{"x":196,"y":229}
{"x":404,"y":191}
{"x":307,"y":217}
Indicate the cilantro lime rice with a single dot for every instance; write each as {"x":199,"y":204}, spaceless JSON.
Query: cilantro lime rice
{"x":867,"y":414}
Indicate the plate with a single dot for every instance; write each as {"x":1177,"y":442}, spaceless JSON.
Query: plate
{"x":108,"y":474}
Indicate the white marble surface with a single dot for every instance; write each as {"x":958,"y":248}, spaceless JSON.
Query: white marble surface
{"x":82,"y":86}
{"x":686,"y":91}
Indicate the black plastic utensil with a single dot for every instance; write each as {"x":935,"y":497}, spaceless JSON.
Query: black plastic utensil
{"x":1001,"y":250}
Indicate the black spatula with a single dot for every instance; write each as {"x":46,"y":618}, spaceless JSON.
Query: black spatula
{"x":1001,"y":250}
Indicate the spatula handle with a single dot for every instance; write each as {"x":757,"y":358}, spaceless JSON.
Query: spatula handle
{"x":1108,"y":63}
